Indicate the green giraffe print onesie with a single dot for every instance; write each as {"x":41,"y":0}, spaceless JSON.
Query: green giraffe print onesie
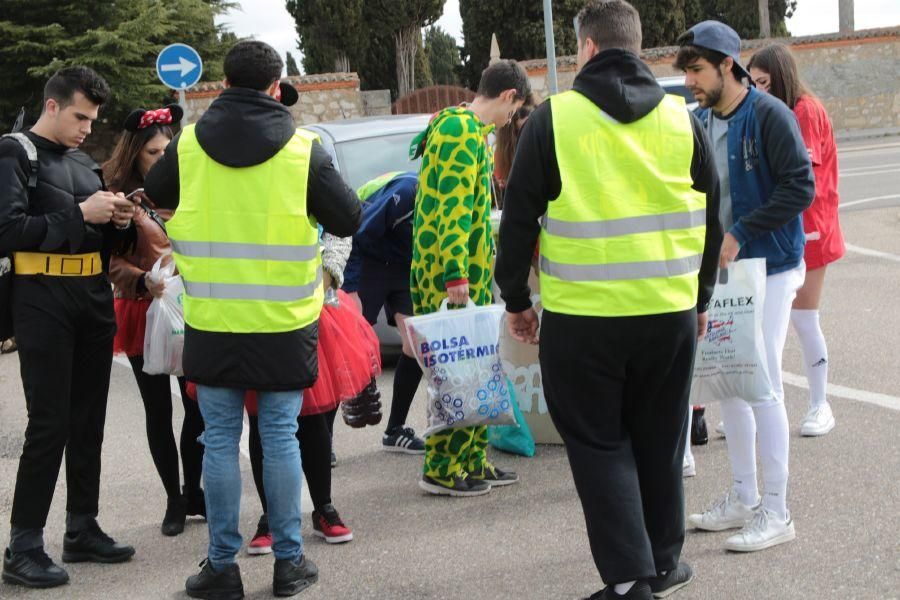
{"x":453,"y":243}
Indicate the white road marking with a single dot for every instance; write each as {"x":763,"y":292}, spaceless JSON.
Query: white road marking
{"x":867,"y":200}
{"x":875,"y":147}
{"x":870,"y":167}
{"x":306,"y":499}
{"x":839,"y":391}
{"x":870,"y":252}
{"x":862,"y":173}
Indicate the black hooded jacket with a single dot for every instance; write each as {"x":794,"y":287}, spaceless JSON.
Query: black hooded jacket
{"x":243,"y":128}
{"x":624,"y":88}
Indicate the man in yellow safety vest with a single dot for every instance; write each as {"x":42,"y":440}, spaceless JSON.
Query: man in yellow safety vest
{"x":249,"y":191}
{"x":619,"y":182}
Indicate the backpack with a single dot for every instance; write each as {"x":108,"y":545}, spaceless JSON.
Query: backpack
{"x":6,"y":265}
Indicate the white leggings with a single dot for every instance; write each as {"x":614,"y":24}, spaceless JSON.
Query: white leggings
{"x":768,"y":420}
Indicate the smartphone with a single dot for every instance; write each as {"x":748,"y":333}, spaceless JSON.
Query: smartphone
{"x":129,"y":196}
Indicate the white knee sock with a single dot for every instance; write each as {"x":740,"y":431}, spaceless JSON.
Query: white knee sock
{"x":815,"y":353}
{"x":774,"y":444}
{"x":740,"y":437}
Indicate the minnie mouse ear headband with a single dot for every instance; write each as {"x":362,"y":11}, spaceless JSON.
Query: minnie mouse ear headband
{"x":142,"y":118}
{"x":287,"y":94}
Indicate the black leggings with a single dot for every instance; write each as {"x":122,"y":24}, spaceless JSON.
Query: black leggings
{"x":314,"y":435}
{"x":157,"y":396}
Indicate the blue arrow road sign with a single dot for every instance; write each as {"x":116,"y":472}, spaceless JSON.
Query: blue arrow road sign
{"x":179,"y":66}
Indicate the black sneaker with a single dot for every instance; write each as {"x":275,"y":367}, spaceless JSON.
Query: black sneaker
{"x":402,"y":439}
{"x":224,"y":584}
{"x":457,"y":486}
{"x":92,"y":545}
{"x":176,"y":513}
{"x":639,"y":591}
{"x":291,"y":577}
{"x":671,"y":582}
{"x":699,"y":432}
{"x":494,"y":476}
{"x":33,"y":569}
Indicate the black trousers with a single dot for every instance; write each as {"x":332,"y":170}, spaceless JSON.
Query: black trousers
{"x":65,"y":328}
{"x":314,"y":435}
{"x":617,"y":390}
{"x":156,"y":394}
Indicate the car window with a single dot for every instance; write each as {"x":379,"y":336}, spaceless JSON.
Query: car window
{"x":680,"y":90}
{"x":363,"y":160}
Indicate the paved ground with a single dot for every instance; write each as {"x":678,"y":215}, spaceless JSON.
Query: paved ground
{"x":528,"y":541}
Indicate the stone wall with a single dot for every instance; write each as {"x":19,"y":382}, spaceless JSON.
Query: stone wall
{"x":324,"y":97}
{"x":857,"y":75}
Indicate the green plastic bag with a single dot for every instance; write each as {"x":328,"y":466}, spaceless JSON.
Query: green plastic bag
{"x":515,"y":439}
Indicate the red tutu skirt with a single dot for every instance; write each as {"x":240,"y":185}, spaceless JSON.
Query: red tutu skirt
{"x":131,"y":322}
{"x":349,"y":357}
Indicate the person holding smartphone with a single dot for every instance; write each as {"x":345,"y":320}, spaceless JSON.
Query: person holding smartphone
{"x":146,"y":134}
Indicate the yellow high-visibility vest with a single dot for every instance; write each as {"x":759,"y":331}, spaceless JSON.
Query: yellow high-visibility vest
{"x":625,"y":236}
{"x":244,"y":243}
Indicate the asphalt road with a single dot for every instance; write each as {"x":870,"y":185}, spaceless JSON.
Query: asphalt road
{"x":528,"y":541}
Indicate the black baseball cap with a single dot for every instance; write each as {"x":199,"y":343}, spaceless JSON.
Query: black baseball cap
{"x":719,"y":37}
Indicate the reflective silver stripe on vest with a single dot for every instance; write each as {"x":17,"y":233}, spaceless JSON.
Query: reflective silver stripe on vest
{"x":249,"y":291}
{"x":622,"y":271}
{"x":245,"y":251}
{"x":626,"y":226}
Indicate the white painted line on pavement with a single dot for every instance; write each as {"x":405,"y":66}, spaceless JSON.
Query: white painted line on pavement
{"x":176,"y":393}
{"x":875,"y":253}
{"x":875,"y":147}
{"x":839,"y":391}
{"x":870,"y":167}
{"x":866,"y":200}
{"x":860,"y":174}
{"x":306,"y":500}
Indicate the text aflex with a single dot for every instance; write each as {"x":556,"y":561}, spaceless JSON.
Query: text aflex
{"x":454,"y":349}
{"x":731,"y":302}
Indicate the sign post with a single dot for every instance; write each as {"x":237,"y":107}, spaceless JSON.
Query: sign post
{"x":179,"y":67}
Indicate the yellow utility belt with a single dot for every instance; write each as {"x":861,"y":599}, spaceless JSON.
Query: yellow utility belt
{"x":59,"y":265}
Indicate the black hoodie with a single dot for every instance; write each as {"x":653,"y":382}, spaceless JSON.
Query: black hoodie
{"x":243,"y":128}
{"x":623,"y":87}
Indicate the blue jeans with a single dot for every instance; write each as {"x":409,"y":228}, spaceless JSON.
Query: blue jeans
{"x":223,"y":414}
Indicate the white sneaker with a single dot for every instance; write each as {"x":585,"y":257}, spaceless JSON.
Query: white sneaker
{"x":818,"y":421}
{"x":720,"y":428}
{"x":688,"y":467}
{"x":727,"y":513}
{"x":763,"y":531}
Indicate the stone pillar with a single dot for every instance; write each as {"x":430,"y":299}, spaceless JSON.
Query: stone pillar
{"x":495,"y":49}
{"x":845,"y":10}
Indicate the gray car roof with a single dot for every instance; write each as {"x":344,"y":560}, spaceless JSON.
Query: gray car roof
{"x":366,"y":127}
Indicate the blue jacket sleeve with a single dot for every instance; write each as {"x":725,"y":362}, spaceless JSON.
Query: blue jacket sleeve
{"x":788,"y":161}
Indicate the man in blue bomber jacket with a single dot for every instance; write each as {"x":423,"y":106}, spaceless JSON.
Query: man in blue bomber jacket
{"x":766,"y":182}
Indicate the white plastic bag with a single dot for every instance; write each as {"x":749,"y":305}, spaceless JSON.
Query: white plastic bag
{"x":459,"y":352}
{"x":164,"y":337}
{"x":731,"y":357}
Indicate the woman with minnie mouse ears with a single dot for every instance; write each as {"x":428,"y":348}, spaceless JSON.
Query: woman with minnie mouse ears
{"x":146,"y":135}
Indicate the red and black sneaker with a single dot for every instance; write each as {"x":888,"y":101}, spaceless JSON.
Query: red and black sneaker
{"x":262,"y":539}
{"x":327,"y":525}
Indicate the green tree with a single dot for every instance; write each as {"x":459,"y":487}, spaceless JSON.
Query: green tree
{"x":292,"y":68}
{"x":332,"y":33}
{"x":519,"y":25}
{"x":423,"y":74}
{"x":119,"y":40}
{"x":443,"y":56}
{"x":404,"y":19}
{"x":742,"y":15}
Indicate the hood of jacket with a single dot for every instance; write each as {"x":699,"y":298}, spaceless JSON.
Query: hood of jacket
{"x":244,"y":127}
{"x":620,"y":84}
